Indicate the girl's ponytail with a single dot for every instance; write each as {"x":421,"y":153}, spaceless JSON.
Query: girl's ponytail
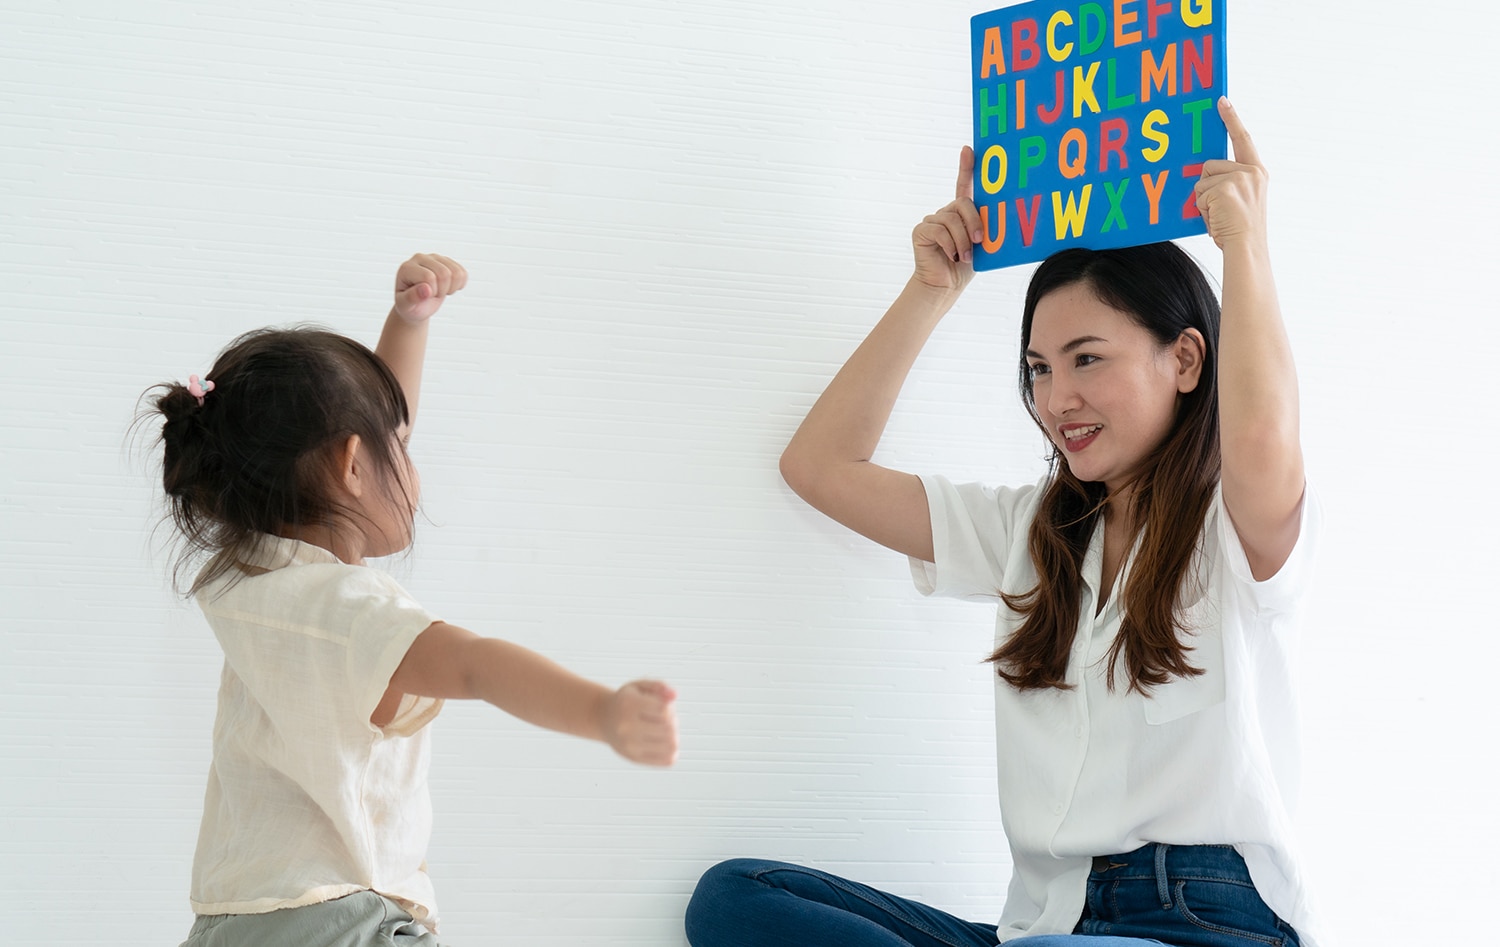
{"x":186,"y":459}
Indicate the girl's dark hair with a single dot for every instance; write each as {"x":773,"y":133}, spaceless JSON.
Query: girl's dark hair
{"x":259,"y":455}
{"x":1165,"y":292}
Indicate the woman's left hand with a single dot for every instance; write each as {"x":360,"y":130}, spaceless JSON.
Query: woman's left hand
{"x":1232,"y":194}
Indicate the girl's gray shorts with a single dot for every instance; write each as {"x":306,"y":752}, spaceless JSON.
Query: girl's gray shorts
{"x":365,"y":919}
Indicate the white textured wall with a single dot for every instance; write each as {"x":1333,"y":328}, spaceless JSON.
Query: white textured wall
{"x":679,"y":218}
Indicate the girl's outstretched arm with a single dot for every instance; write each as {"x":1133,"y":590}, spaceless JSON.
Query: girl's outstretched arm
{"x":447,"y":661}
{"x":1263,"y":476}
{"x":422,"y":283}
{"x":828,"y":460}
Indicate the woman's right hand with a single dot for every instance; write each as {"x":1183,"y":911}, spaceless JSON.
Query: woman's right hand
{"x":943,"y":243}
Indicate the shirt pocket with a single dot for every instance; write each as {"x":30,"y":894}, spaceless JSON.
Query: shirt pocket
{"x":1182,"y":696}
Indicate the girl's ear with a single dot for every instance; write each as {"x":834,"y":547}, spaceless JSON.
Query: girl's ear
{"x":350,"y":471}
{"x":1189,"y":352}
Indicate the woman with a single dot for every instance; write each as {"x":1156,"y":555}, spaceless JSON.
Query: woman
{"x":1148,"y":589}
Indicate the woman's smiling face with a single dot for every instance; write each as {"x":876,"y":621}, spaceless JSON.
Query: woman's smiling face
{"x":1105,"y":389}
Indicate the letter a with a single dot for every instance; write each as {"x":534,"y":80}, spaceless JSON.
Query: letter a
{"x":993,"y":56}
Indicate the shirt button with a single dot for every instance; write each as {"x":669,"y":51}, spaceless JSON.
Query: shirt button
{"x":1057,"y":809}
{"x":1078,"y":732}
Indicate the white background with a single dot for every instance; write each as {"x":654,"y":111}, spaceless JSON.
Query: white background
{"x":679,"y":218}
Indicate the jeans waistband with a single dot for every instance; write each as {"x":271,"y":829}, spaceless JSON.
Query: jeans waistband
{"x":1160,"y":862}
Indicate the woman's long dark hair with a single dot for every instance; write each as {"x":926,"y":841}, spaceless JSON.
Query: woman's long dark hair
{"x":259,"y":454}
{"x":1162,"y":290}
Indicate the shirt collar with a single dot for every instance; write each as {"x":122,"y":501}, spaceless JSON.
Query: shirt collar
{"x":278,"y":552}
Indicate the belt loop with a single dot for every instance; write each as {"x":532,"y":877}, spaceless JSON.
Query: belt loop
{"x":1162,"y":888}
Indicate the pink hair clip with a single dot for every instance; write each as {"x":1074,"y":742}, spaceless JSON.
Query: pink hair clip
{"x":198,"y":388}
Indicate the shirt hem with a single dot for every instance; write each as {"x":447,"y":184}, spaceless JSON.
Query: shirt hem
{"x":267,"y":905}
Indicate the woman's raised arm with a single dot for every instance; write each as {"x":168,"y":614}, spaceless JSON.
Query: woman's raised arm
{"x":828,"y":460}
{"x":1263,"y":477}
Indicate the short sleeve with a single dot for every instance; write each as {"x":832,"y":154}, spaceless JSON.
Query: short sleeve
{"x":978,"y":537}
{"x":315,"y":645}
{"x":384,"y":621}
{"x":1283,"y":591}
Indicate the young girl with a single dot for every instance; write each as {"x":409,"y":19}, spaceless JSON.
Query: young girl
{"x":1148,"y":591}
{"x":287,"y":467}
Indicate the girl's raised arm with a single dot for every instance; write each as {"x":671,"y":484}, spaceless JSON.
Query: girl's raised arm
{"x":1263,"y":478}
{"x":422,"y":283}
{"x":828,"y":460}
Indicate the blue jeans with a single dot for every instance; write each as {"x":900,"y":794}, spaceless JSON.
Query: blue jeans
{"x":1178,"y":896}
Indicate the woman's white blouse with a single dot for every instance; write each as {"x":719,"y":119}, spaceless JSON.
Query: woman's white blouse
{"x":1094,"y":771}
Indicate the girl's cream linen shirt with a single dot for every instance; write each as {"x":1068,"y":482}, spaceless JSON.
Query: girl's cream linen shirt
{"x":307,"y":800}
{"x":1094,"y":771}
